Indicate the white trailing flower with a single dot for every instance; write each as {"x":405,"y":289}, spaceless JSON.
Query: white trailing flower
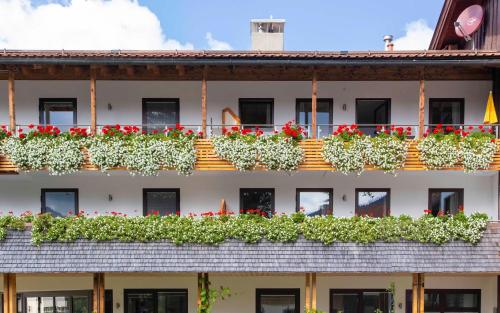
{"x":64,"y":157}
{"x":439,"y":153}
{"x":106,"y":154}
{"x":387,"y":153}
{"x":242,"y":154}
{"x":477,"y":153}
{"x":279,"y":154}
{"x":345,"y":156}
{"x":181,"y":155}
{"x":28,"y":156}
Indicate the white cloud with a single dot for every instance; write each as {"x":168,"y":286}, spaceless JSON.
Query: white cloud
{"x":418,"y":36}
{"x":214,"y":44}
{"x":82,"y":24}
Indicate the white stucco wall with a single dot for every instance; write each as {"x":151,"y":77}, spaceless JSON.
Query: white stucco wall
{"x":125,"y":98}
{"x":203,"y":191}
{"x":243,"y":286}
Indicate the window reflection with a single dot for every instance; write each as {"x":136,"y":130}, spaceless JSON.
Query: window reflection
{"x":372,"y":202}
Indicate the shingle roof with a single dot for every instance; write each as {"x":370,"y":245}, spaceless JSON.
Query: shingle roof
{"x":18,"y":255}
{"x":203,"y":54}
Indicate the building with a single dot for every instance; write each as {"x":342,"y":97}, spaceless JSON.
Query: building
{"x":203,"y":90}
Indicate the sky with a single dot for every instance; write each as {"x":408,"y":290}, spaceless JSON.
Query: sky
{"x":320,"y":25}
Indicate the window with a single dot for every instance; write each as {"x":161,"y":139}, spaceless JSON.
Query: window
{"x":60,"y":202}
{"x":159,"y":113}
{"x":56,"y":302}
{"x":156,"y":301}
{"x":324,"y":115}
{"x":374,"y":202}
{"x":446,"y":201}
{"x":59,"y":112}
{"x":108,"y":301}
{"x":372,"y":112}
{"x":257,"y":112}
{"x":161,"y":201}
{"x":315,"y":201}
{"x":278,"y":301}
{"x":448,"y":300}
{"x":360,"y":300}
{"x":446,"y":111}
{"x":257,"y":199}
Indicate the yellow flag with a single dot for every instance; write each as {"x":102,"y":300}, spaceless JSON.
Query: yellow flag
{"x":490,"y":116}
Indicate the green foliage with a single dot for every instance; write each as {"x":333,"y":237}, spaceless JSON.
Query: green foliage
{"x":251,"y":228}
{"x":209,"y":296}
{"x":10,"y":222}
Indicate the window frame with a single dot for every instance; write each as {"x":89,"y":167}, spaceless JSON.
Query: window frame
{"x":460,"y":191}
{"x":356,"y":200}
{"x":63,"y":293}
{"x":389,"y":110}
{"x":462,"y":108}
{"x":145,"y":101}
{"x":264,"y":100}
{"x":42,"y":113}
{"x":177,"y":196}
{"x":277,"y":291}
{"x":43,"y":198}
{"x":330,"y":111}
{"x":272,"y":190}
{"x":359,"y":292}
{"x":154,"y":292}
{"x":299,"y":190}
{"x":443,"y":292}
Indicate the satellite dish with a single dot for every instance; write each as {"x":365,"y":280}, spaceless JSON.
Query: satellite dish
{"x":469,"y":21}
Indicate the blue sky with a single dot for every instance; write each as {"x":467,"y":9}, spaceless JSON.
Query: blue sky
{"x":213,"y":24}
{"x":311,"y":24}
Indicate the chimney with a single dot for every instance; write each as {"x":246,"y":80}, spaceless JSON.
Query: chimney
{"x":268,"y":34}
{"x":389,"y":45}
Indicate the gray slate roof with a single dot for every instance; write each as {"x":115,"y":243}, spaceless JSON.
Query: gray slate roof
{"x":18,"y":255}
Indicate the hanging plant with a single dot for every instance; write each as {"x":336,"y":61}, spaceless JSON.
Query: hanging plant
{"x":64,"y":157}
{"x":238,"y":147}
{"x":477,"y":149}
{"x":281,"y":151}
{"x":106,"y":153}
{"x":388,"y":149}
{"x":440,"y":148}
{"x":345,"y":149}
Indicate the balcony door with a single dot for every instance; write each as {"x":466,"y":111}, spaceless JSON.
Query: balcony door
{"x":324,"y":115}
{"x":156,"y":301}
{"x":158,"y":113}
{"x":60,"y":112}
{"x":371,"y":112}
{"x":446,"y":111}
{"x":257,"y":112}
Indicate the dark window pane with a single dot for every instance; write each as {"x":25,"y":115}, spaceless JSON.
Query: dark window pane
{"x":375,"y":301}
{"x":278,"y":304}
{"x":140,"y":303}
{"x":446,"y":202}
{"x":160,"y":113}
{"x":448,"y":300}
{"x":256,"y":111}
{"x":324,"y":111}
{"x":374,"y":203}
{"x":59,"y":203}
{"x":257,"y":199}
{"x":108,"y":301}
{"x":314,"y":203}
{"x":446,"y":111}
{"x":80,"y":304}
{"x":372,"y":112}
{"x":172,"y":302}
{"x":431,"y":302}
{"x":462,"y":300}
{"x":59,"y":112}
{"x":165,"y":202}
{"x":345,"y":302}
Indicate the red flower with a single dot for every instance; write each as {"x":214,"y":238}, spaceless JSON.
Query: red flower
{"x":22,"y":136}
{"x":30,"y":126}
{"x":235,"y":128}
{"x":117,"y":126}
{"x":155,"y":131}
{"x":427,"y":211}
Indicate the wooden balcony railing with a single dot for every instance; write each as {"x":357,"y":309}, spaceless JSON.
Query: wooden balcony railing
{"x":208,"y":161}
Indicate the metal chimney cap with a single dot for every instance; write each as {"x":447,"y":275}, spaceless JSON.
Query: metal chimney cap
{"x":388,"y":38}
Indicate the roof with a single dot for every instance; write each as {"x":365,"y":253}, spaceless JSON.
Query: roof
{"x":288,"y":57}
{"x":18,"y":255}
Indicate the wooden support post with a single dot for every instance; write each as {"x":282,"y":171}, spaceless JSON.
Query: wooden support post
{"x":418,"y":290}
{"x":98,"y":293}
{"x":421,"y":293}
{"x":498,"y":293}
{"x":200,"y":286}
{"x":12,"y":102}
{"x":421,"y":109}
{"x":9,"y":293}
{"x":308,"y":291}
{"x":204,"y":102}
{"x":93,"y":113}
{"x":414,"y":294}
{"x":314,"y":104}
{"x":313,"y":291}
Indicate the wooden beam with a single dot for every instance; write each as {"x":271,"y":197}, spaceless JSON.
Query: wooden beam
{"x":414,"y":294}
{"x":5,"y":293}
{"x":98,"y":293}
{"x":200,"y":286}
{"x":418,"y":291}
{"x":314,"y":103}
{"x":421,"y":108}
{"x":308,"y":291}
{"x":154,"y":69}
{"x":421,"y":293}
{"x":313,"y":291}
{"x":93,"y":112}
{"x":181,"y":70}
{"x":12,"y":102}
{"x":9,"y":293}
{"x":204,"y":102}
